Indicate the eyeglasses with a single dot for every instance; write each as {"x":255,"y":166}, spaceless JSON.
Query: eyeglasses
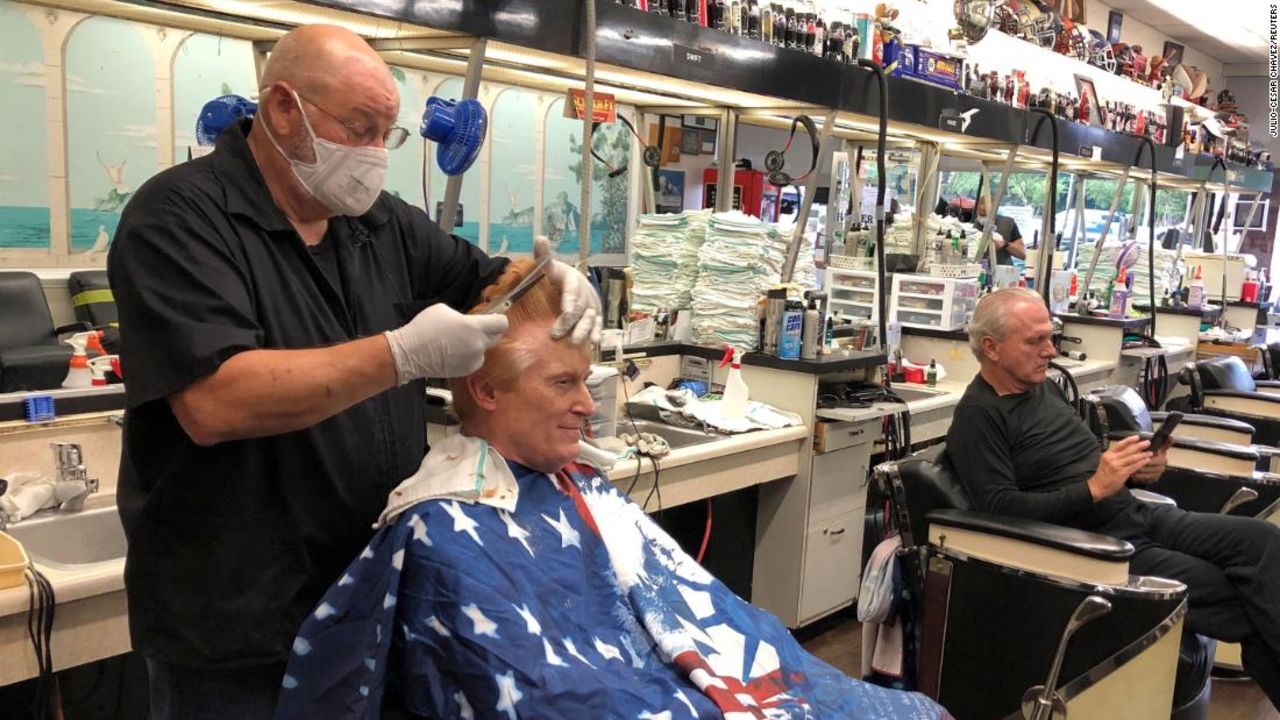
{"x":393,"y":138}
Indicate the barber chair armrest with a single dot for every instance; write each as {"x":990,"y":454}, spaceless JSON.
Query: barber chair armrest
{"x":1152,"y":498}
{"x":1037,"y":547}
{"x":75,"y":327}
{"x":1240,"y":452}
{"x":1261,"y":396}
{"x":1211,"y":421}
{"x":1268,"y":387}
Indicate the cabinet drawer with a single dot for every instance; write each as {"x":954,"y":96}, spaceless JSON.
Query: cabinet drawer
{"x":830,"y":436}
{"x":832,"y":566}
{"x":838,"y":483}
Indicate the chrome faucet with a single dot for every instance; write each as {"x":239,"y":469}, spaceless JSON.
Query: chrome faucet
{"x":69,"y":464}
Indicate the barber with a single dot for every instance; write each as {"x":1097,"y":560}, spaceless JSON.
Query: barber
{"x":1009,"y":243}
{"x":279,"y":314}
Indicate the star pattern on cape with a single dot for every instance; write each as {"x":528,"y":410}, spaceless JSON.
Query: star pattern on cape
{"x":515,"y":531}
{"x":481,"y":624}
{"x":568,"y":536}
{"x":508,"y":694}
{"x":462,"y":522}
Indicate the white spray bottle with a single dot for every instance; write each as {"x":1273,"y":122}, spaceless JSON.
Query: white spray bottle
{"x":78,"y":374}
{"x":736,"y":392}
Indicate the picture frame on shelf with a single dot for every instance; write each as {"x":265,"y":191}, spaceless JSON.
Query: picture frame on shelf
{"x":1088,"y":94}
{"x":1173,"y":53}
{"x":669,"y":197}
{"x":1114,"y":21}
{"x":708,"y":141}
{"x":691,"y":141}
{"x":700,"y":122}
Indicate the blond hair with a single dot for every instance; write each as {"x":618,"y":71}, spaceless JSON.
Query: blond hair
{"x":510,"y":357}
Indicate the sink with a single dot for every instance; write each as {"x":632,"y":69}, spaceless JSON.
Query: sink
{"x":69,"y":541}
{"x":911,"y":394}
{"x":676,"y":437}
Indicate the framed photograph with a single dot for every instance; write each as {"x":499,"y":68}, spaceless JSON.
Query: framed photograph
{"x":1244,"y":207}
{"x":700,"y":122}
{"x":1114,"y":21}
{"x":670,"y":191}
{"x":708,"y":141}
{"x":1084,"y":88}
{"x":670,"y":142}
{"x":691,"y":142}
{"x":1173,"y":54}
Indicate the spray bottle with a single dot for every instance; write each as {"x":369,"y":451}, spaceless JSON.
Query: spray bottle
{"x":99,"y":366}
{"x":78,"y":374}
{"x":736,"y":392}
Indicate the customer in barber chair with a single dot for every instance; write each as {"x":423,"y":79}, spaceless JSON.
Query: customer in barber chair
{"x":1020,"y":449}
{"x":507,"y":581}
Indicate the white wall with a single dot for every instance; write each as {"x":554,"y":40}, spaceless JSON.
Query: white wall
{"x":1152,"y":40}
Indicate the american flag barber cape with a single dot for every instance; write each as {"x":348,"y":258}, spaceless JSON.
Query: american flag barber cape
{"x":574,"y":604}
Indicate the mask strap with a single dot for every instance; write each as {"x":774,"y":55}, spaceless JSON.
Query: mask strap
{"x":305,"y":123}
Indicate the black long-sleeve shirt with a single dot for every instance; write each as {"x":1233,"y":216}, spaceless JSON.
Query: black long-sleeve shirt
{"x":1028,"y":455}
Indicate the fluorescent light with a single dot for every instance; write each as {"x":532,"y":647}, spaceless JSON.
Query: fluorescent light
{"x":1242,"y":29}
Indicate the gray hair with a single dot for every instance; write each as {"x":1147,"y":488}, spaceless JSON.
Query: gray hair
{"x":992,"y":313}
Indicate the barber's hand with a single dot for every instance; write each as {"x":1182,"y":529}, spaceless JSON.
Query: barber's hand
{"x":1154,"y":468}
{"x":580,"y":315}
{"x":441,"y":342}
{"x":1121,"y":460}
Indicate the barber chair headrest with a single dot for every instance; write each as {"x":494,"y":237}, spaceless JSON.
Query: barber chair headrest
{"x":1225,"y":372}
{"x":1125,"y":410}
{"x":928,"y":483}
{"x":1271,"y":360}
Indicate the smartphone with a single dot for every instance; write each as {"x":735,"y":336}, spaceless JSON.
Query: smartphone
{"x":1164,"y":435}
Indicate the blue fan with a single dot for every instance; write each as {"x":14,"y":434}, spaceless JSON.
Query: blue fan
{"x":219,"y":113}
{"x":458,"y":128}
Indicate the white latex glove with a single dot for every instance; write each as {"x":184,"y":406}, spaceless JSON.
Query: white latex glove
{"x":441,"y":342}
{"x":579,"y":305}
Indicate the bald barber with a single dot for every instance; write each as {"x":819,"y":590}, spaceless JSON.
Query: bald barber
{"x":279,"y":313}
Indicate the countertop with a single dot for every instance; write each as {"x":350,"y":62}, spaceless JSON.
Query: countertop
{"x":949,"y":391}
{"x":70,"y":585}
{"x":727,"y":445}
{"x":108,"y":576}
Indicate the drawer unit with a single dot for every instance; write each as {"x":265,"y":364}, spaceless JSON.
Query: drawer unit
{"x":839,"y":483}
{"x":853,"y":292}
{"x":925,"y":301}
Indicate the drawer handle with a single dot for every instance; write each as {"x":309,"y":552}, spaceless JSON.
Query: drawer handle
{"x":826,"y":531}
{"x":856,"y":433}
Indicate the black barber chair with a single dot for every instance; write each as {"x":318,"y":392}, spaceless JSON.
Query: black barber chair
{"x":1271,"y":361}
{"x":1202,"y":475}
{"x":31,"y":355}
{"x":1223,"y":386}
{"x":94,"y":305}
{"x":1002,"y":603}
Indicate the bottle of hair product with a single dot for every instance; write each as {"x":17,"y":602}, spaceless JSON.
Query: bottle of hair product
{"x":792,"y":331}
{"x":812,"y":332}
{"x":931,"y":374}
{"x":1119,"y":297}
{"x":736,"y":392}
{"x":1195,"y":291}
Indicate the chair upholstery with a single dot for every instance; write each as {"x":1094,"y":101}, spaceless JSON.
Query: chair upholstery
{"x":1224,"y":386}
{"x":1226,"y":372}
{"x":91,"y":298}
{"x":926,"y":484}
{"x":31,"y":357}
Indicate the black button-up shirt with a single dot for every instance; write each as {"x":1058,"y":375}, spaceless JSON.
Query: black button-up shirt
{"x":230,"y":546}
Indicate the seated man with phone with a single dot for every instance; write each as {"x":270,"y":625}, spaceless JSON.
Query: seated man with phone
{"x":1020,"y":449}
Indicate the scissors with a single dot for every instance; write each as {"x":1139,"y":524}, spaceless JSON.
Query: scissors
{"x":504,"y":303}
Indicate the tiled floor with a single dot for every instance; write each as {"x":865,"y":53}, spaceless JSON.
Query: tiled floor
{"x":841,"y":645}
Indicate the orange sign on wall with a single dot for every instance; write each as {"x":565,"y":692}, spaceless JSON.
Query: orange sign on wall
{"x":605,"y":108}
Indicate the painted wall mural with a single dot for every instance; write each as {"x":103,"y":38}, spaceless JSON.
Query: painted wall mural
{"x":111,"y":126}
{"x":114,"y":143}
{"x":24,"y":165}
{"x":513,"y":163}
{"x":205,"y":67}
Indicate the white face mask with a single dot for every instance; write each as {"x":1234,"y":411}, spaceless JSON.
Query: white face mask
{"x":345,"y":178}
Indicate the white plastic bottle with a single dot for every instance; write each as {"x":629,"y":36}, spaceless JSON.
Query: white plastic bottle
{"x":78,"y":373}
{"x":1195,"y":290}
{"x":736,"y":392}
